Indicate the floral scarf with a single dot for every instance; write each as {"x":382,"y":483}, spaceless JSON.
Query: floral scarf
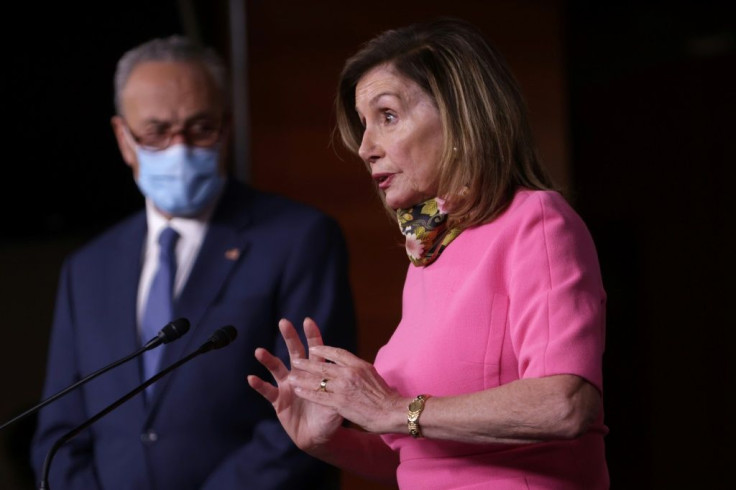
{"x":426,"y":232}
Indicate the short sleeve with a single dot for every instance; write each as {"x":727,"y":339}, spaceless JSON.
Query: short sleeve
{"x":557,"y":299}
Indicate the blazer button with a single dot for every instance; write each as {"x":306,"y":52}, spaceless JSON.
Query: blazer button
{"x":149,"y":437}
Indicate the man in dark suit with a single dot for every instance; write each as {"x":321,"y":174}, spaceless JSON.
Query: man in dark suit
{"x":240,"y":257}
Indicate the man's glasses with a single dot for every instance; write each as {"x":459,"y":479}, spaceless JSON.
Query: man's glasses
{"x":202,"y":133}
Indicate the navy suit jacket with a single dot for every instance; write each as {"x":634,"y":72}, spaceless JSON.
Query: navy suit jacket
{"x":264,"y":257}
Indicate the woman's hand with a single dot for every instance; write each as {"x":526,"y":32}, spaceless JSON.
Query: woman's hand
{"x":352,"y":388}
{"x":310,"y":425}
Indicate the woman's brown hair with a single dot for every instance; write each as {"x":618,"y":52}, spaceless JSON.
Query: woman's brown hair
{"x":489,"y":151}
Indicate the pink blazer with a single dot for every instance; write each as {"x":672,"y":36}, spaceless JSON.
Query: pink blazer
{"x":520,"y":297}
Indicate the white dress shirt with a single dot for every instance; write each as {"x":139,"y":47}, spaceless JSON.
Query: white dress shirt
{"x":191,"y":234}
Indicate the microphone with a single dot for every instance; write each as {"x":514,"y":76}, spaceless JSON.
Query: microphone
{"x":219,"y":339}
{"x":172,"y":331}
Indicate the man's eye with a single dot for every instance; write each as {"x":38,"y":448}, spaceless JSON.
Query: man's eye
{"x":389,"y":117}
{"x":202,"y":128}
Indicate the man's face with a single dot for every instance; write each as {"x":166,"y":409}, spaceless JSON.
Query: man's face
{"x":166,"y":98}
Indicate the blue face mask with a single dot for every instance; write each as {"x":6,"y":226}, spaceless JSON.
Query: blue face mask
{"x":180,"y":180}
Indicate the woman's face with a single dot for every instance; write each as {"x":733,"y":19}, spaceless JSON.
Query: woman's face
{"x":403,"y":138}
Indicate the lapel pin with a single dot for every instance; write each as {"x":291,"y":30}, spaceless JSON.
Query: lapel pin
{"x":232,"y":254}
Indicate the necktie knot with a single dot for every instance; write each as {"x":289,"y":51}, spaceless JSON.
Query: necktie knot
{"x":167,"y":241}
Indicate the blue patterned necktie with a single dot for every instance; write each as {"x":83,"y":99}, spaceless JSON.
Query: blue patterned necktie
{"x":159,"y":309}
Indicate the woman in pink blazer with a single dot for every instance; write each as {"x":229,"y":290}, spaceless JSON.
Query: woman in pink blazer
{"x":492,"y":379}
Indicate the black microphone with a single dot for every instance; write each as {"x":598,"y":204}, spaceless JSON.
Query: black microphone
{"x":169,"y":333}
{"x":221,"y":338}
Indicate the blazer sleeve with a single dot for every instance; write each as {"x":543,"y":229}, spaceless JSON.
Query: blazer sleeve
{"x":72,"y":466}
{"x":316,"y":284}
{"x":557,"y":312}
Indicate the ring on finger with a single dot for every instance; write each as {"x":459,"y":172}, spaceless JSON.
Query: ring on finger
{"x":323,"y":385}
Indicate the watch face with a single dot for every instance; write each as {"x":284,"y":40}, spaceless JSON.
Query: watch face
{"x":416,"y":405}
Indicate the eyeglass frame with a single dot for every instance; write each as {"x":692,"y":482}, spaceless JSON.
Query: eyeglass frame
{"x":170,"y":135}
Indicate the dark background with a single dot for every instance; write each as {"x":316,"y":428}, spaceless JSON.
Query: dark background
{"x":651,"y":98}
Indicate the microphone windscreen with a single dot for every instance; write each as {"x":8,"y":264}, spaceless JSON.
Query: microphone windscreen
{"x":223,"y":336}
{"x":175,"y":329}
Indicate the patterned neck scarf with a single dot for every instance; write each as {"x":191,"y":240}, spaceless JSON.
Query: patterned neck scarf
{"x":426,"y":232}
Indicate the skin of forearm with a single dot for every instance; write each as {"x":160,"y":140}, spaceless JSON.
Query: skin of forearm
{"x":524,"y":411}
{"x":360,"y":452}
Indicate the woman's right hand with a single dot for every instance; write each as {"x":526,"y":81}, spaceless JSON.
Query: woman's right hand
{"x":308,"y":424}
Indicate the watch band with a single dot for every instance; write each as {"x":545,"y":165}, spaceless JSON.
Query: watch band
{"x":412,"y":417}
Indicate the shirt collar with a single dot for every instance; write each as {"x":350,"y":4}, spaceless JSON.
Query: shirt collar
{"x":188,"y":228}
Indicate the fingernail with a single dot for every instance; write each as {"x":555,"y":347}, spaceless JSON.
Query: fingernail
{"x":297,"y":362}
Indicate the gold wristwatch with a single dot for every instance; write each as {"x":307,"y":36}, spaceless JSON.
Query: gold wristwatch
{"x":415,"y":410}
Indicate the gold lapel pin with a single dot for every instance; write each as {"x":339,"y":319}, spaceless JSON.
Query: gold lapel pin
{"x":232,"y":254}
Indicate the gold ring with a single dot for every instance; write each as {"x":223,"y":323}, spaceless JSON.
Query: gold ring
{"x":323,"y":385}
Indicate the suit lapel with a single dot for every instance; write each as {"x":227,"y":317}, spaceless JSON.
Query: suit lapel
{"x":121,"y":326}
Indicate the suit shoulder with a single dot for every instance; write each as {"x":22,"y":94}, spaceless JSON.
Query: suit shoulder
{"x":108,"y":242}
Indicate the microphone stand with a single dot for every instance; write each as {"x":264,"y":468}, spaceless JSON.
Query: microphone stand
{"x":207,"y":346}
{"x":75,"y":385}
{"x":169,"y":333}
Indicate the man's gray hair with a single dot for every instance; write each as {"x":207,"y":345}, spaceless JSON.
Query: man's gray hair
{"x":172,"y":48}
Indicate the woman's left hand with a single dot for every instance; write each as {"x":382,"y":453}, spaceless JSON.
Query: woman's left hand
{"x":353,"y":388}
{"x":310,"y":426}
